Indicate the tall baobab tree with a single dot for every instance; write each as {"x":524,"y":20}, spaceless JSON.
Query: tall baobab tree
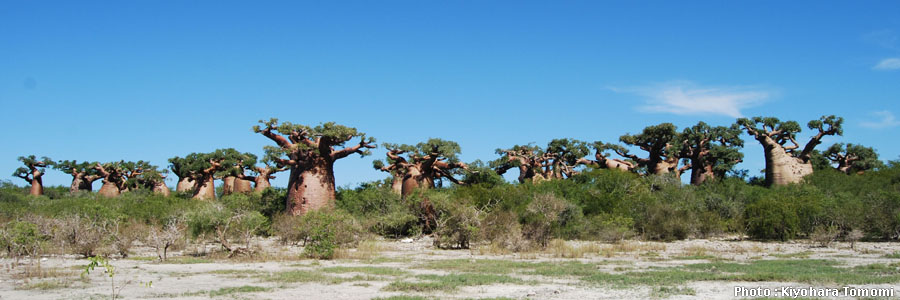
{"x":425,"y":163}
{"x":603,"y":161}
{"x":83,"y":174}
{"x":712,"y":151}
{"x":234,"y":181}
{"x":852,"y":158}
{"x":310,"y":154}
{"x":119,"y":177}
{"x":785,"y":163}
{"x":564,"y":155}
{"x":33,"y":171}
{"x":657,"y":140}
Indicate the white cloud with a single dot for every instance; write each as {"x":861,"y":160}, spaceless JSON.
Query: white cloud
{"x":686,"y":98}
{"x":892,"y":63}
{"x":887,"y":120}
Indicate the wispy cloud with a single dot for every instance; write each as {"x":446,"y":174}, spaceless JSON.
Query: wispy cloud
{"x":687,"y":98}
{"x":887,"y":120}
{"x":888,"y":64}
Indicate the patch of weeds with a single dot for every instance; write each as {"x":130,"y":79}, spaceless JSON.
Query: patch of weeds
{"x":804,"y":271}
{"x":238,"y":289}
{"x":362,"y":284}
{"x":236,"y":273}
{"x":187,"y":260}
{"x":143,"y":258}
{"x":891,"y":255}
{"x":804,"y":254}
{"x":487,"y":266}
{"x":695,"y":257}
{"x":403,"y":297}
{"x":668,"y":291}
{"x":367,"y":270}
{"x":46,"y":285}
{"x":448,"y":283}
{"x":298,"y":276}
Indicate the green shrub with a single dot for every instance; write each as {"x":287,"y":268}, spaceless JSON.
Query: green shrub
{"x":21,"y":238}
{"x":772,"y":218}
{"x":458,"y":225}
{"x":325,"y":230}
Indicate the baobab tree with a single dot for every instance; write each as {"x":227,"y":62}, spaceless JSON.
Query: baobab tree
{"x":787,"y":164}
{"x":657,"y":140}
{"x":394,"y":166}
{"x":149,"y":177}
{"x":263,"y":174}
{"x":33,"y":171}
{"x":83,"y":174}
{"x":852,"y":158}
{"x":530,"y":159}
{"x":712,"y":151}
{"x":179,"y":167}
{"x":310,"y":154}
{"x":233,"y":180}
{"x":564,"y":155}
{"x":425,"y":163}
{"x":204,"y":168}
{"x":601,"y":158}
{"x":116,"y":176}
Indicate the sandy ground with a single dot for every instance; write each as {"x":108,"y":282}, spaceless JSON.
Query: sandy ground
{"x":186,"y":276}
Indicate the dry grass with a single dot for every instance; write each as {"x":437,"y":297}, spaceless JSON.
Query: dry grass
{"x":365,"y":250}
{"x":561,"y":249}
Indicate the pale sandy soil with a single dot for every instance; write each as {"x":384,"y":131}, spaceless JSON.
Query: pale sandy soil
{"x":184,"y":278}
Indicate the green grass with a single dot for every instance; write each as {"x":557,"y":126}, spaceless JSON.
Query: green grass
{"x":892,"y":255}
{"x":187,"y":260}
{"x":804,"y":254}
{"x":487,"y":266}
{"x":302,"y":276}
{"x":449,"y":283}
{"x":238,"y":289}
{"x":695,"y":257}
{"x":403,"y":297}
{"x":805,"y":271}
{"x":367,"y":270}
{"x":45,"y":285}
{"x":668,"y":291}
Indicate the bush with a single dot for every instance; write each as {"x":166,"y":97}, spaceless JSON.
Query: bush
{"x":543,"y":215}
{"x":772,"y":218}
{"x":609,"y":228}
{"x":325,"y":230}
{"x":21,"y":238}
{"x":502,"y":229}
{"x":458,"y":225}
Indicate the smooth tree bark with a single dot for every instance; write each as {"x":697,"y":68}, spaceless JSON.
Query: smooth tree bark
{"x":603,"y":161}
{"x":786,"y":164}
{"x":852,"y":158}
{"x":264,"y":174}
{"x":310,"y":154}
{"x":113,"y":179}
{"x":657,"y":141}
{"x":83,"y":174}
{"x":425,"y":164}
{"x":712,"y":151}
{"x":180,"y":168}
{"x":33,"y":172}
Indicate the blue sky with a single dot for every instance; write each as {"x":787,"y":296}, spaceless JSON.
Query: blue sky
{"x":154,"y":79}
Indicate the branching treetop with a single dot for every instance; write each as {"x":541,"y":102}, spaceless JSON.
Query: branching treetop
{"x":771,"y":128}
{"x":655,"y":139}
{"x":298,"y":144}
{"x":32,"y":167}
{"x":73,"y":167}
{"x":853,"y":157}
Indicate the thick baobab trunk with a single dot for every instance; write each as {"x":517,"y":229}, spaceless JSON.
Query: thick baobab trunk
{"x":186,"y":184}
{"x":261,"y":183}
{"x":162,"y":189}
{"x":228,"y":185}
{"x":242,"y":186}
{"x":701,"y":172}
{"x":397,"y":184}
{"x":206,"y":189}
{"x":783,"y":168}
{"x":109,"y":189}
{"x":78,"y":183}
{"x":37,"y":186}
{"x":311,"y":188}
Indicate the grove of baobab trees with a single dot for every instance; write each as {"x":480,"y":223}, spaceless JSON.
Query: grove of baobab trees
{"x":309,"y":153}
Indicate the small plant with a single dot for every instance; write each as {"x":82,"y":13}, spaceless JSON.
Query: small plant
{"x":325,"y":230}
{"x":824,"y":235}
{"x":162,"y":238}
{"x":99,"y":261}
